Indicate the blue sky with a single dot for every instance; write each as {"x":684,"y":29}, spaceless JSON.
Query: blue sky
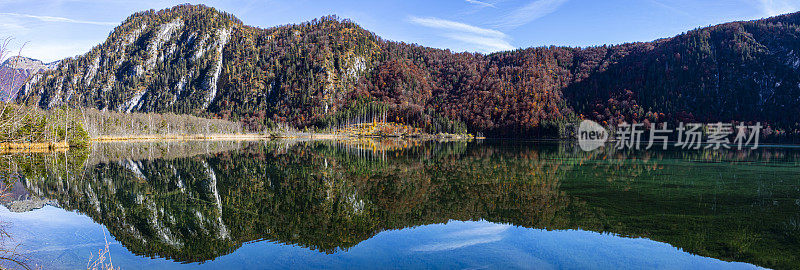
{"x":63,"y":28}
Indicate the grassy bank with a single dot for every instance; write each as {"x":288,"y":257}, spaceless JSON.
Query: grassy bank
{"x":31,"y":128}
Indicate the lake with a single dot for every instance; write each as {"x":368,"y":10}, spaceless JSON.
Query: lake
{"x":403,"y":204}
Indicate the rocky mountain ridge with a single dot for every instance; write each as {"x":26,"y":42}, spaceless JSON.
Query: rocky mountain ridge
{"x":14,"y":71}
{"x":330,"y":72}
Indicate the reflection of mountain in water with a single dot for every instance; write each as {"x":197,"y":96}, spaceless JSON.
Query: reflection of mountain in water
{"x":330,"y":196}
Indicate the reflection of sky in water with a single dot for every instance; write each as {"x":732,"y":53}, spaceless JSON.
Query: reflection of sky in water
{"x":66,"y":239}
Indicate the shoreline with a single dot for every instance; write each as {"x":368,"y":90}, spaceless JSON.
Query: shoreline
{"x":256,"y":137}
{"x":196,"y":137}
{"x":49,"y":147}
{"x":46,"y":147}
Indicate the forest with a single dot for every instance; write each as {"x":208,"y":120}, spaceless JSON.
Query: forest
{"x":193,"y":59}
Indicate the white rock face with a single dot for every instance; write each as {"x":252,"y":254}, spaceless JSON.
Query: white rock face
{"x":70,"y":93}
{"x":171,"y":51}
{"x":132,"y":103}
{"x":54,"y":100}
{"x":223,"y":37}
{"x":110,"y":84}
{"x":165,"y":32}
{"x":134,"y":167}
{"x":359,"y":66}
{"x":221,"y":228}
{"x":138,"y":70}
{"x":120,"y":61}
{"x":200,"y":49}
{"x":793,"y":60}
{"x":134,"y":36}
{"x":91,"y":71}
{"x":180,"y":87}
{"x":30,"y":84}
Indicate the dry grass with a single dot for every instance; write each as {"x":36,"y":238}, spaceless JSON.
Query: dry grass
{"x":32,"y":147}
{"x":103,"y":261}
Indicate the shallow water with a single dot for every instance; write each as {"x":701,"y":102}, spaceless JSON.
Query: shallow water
{"x":401,"y":204}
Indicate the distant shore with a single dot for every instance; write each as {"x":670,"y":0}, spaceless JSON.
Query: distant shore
{"x":6,"y":148}
{"x":256,"y":136}
{"x":182,"y":137}
{"x":33,"y":147}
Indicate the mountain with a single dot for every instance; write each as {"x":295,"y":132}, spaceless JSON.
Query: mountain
{"x":15,"y":71}
{"x":328,"y":72}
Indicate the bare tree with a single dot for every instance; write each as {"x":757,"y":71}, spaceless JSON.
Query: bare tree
{"x":11,"y":116}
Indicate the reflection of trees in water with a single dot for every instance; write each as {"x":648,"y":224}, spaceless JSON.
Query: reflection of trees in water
{"x":314,"y":195}
{"x":9,"y":257}
{"x":329,"y":199}
{"x":728,"y":205}
{"x":330,"y":196}
{"x":112,"y":152}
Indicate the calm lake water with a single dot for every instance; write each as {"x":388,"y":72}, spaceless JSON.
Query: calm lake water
{"x":400,"y":204}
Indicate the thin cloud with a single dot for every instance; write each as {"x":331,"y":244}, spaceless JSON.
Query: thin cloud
{"x":481,"y":39}
{"x":671,"y":8}
{"x":480,"y":3}
{"x":530,"y":12}
{"x":57,"y":19}
{"x":485,"y":44}
{"x":457,"y":244}
{"x":489,"y":229}
{"x":777,"y":7}
{"x":489,"y":233}
{"x":455,"y":26}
